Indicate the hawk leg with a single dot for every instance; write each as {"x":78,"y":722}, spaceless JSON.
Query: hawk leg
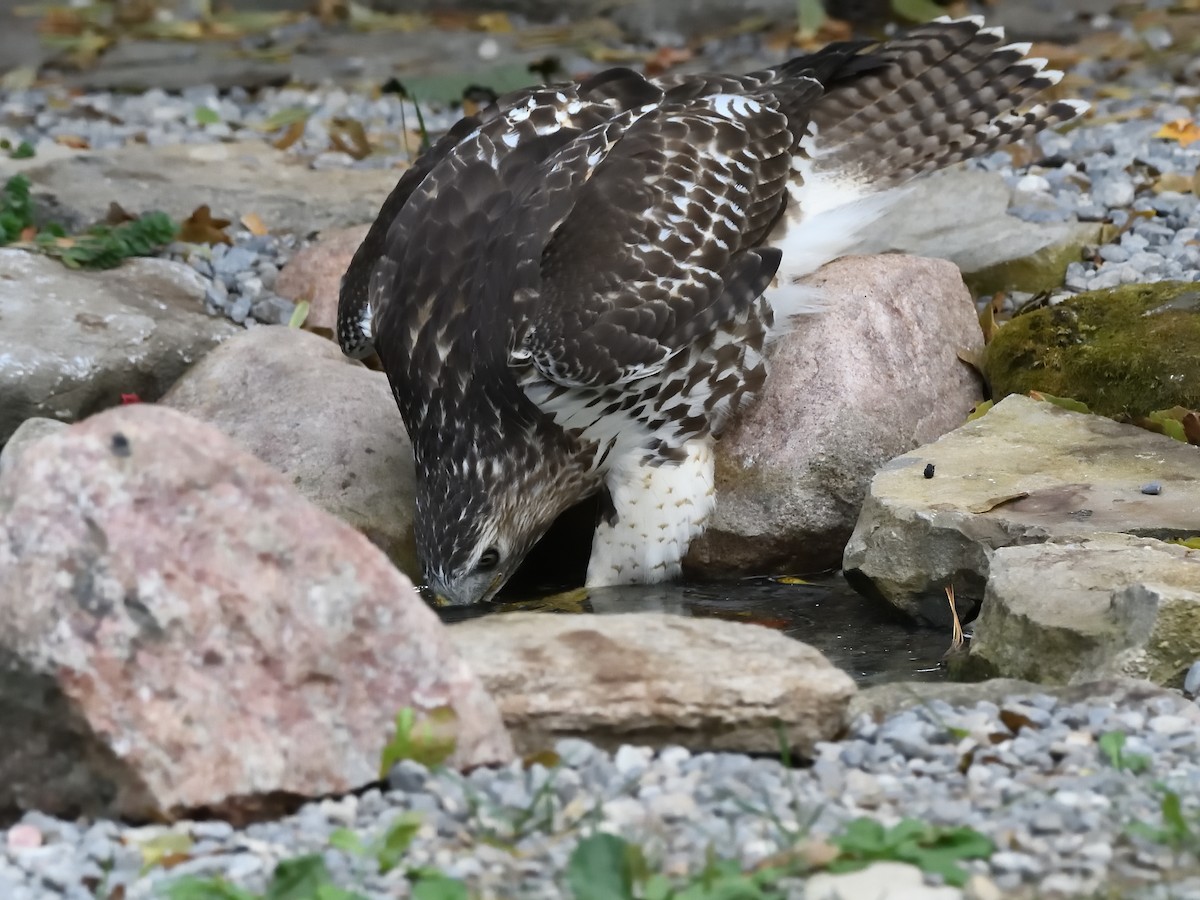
{"x":658,"y":507}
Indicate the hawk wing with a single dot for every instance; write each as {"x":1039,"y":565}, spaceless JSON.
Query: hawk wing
{"x":653,"y":228}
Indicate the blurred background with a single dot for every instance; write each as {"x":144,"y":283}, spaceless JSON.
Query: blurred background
{"x":451,"y":51}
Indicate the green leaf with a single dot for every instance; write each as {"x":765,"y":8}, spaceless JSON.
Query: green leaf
{"x":1111,"y":743}
{"x":348,"y":842}
{"x":289,"y":116}
{"x":439,"y":887}
{"x":429,"y":738}
{"x":298,"y":878}
{"x":397,"y":840}
{"x":1172,"y":813}
{"x":601,"y":868}
{"x":299,"y":314}
{"x":810,"y":15}
{"x":191,"y":888}
{"x":23,"y":150}
{"x":206,"y":115}
{"x":917,"y":10}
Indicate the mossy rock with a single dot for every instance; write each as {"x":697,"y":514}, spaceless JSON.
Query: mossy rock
{"x":1123,"y":352}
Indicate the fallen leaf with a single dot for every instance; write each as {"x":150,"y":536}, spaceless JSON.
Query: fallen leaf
{"x":127,"y":399}
{"x":1185,"y":131}
{"x":790,"y":579}
{"x":349,"y":136}
{"x":666,"y":58}
{"x":201,"y":228}
{"x":1175,"y":181}
{"x":1015,"y":721}
{"x":293,"y":133}
{"x":995,"y":502}
{"x":494,"y":23}
{"x":74,"y":141}
{"x":254,"y":224}
{"x":299,"y":314}
{"x":117,"y":214}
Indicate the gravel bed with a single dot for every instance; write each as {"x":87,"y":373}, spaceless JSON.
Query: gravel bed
{"x":1105,"y":170}
{"x":1056,"y":808}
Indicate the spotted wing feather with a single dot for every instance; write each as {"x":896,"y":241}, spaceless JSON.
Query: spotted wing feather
{"x":654,"y":237}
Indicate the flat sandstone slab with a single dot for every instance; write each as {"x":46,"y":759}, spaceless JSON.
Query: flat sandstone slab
{"x":655,"y":679}
{"x":1026,"y":472}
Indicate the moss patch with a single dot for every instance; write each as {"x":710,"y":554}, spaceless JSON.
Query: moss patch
{"x":1123,"y":352}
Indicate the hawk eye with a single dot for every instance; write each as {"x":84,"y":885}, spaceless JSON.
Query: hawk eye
{"x":488,"y":560}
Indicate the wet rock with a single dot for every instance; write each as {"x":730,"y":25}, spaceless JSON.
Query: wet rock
{"x":325,"y":422}
{"x":73,"y":342}
{"x":1025,"y":472}
{"x":1125,"y":351}
{"x":995,"y":250}
{"x":654,"y":679}
{"x":874,"y":376}
{"x":315,"y":274}
{"x":1113,"y":604}
{"x":27,"y":434}
{"x":183,"y":631}
{"x":232,"y":179}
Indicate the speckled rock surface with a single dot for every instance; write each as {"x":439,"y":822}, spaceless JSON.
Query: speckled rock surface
{"x":232,"y":179}
{"x":182,"y":630}
{"x":1025,"y":472}
{"x":875,"y":375}
{"x":1073,"y":611}
{"x":655,"y":679}
{"x":315,"y":274}
{"x":26,"y":435}
{"x":325,"y":422}
{"x":72,"y":342}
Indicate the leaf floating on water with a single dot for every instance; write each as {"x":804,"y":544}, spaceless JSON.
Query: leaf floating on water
{"x":201,"y":228}
{"x":790,"y":579}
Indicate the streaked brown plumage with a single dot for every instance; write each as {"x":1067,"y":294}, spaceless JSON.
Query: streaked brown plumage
{"x":573,"y":290}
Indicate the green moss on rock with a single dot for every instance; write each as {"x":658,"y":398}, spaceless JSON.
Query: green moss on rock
{"x":1124,"y":352}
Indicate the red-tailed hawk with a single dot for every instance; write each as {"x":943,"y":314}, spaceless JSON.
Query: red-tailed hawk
{"x":572,"y":291}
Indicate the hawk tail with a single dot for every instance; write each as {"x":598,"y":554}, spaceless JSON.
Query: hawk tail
{"x":949,"y":91}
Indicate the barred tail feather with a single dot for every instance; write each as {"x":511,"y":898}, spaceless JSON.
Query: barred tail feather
{"x":953,"y":91}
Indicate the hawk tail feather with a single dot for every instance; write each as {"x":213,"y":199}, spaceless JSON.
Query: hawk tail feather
{"x":953,"y":90}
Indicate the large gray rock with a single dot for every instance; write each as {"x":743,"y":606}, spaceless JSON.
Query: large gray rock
{"x":875,"y":375}
{"x":653,"y":678}
{"x":1025,"y":472}
{"x":232,"y":179}
{"x":183,"y":631}
{"x":1070,"y":612}
{"x":962,"y":215}
{"x":326,"y":422}
{"x":73,"y":342}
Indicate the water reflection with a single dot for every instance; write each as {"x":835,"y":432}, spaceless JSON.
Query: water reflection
{"x":857,"y":634}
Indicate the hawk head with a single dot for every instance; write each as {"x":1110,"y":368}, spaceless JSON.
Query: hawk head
{"x":478,"y":516}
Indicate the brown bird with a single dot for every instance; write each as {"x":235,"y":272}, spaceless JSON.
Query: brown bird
{"x":573,"y":291}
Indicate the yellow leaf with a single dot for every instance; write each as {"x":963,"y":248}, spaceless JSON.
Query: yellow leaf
{"x":790,"y":579}
{"x":166,"y":846}
{"x":254,"y":224}
{"x":1186,"y":131}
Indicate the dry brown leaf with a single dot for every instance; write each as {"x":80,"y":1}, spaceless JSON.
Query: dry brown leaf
{"x":254,"y":224}
{"x":994,"y":502}
{"x":201,"y":228}
{"x":1185,"y":131}
{"x":494,"y":23}
{"x":291,"y":134}
{"x":117,"y":215}
{"x":349,"y":136}
{"x":665,"y":58}
{"x":74,"y":141}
